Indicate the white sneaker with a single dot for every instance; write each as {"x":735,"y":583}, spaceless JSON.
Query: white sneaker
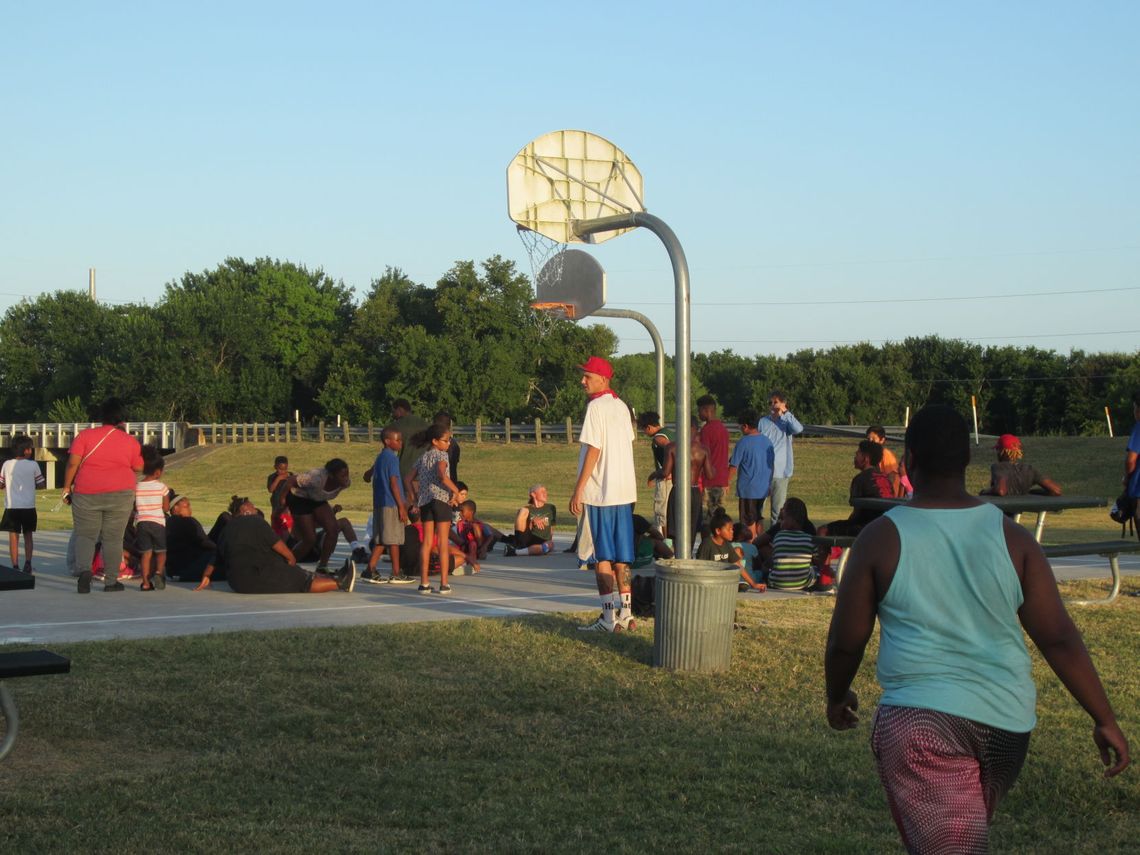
{"x":625,"y":624}
{"x":461,"y":570}
{"x":599,"y":625}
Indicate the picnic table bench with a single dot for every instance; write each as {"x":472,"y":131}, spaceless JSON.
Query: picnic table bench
{"x":843,"y":542}
{"x":29,"y":663}
{"x":1017,"y":505}
{"x":1110,"y":549}
{"x":14,"y":580}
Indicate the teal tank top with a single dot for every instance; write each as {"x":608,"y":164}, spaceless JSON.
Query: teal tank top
{"x":949,"y":637}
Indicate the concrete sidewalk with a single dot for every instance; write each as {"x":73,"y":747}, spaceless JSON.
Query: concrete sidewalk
{"x":54,"y":612}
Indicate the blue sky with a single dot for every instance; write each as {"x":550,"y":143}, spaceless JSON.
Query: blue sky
{"x":836,"y":172}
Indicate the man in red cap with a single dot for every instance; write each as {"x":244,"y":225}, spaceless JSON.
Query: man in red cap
{"x":1011,"y":476}
{"x":604,"y":496}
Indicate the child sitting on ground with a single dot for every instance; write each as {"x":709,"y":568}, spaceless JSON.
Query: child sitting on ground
{"x":471,"y":535}
{"x":152,"y":504}
{"x":791,"y":548}
{"x":718,"y":545}
{"x":278,"y":485}
{"x":750,"y":578}
{"x":648,"y":543}
{"x":534,"y":524}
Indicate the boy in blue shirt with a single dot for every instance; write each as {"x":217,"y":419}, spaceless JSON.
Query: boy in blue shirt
{"x":389,"y":510}
{"x":752,"y":463}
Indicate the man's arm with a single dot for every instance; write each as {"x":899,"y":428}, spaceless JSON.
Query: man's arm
{"x":853,"y":620}
{"x":1049,"y":486}
{"x":281,"y":549}
{"x":790,"y":425}
{"x":593,"y":454}
{"x":1044,"y":618}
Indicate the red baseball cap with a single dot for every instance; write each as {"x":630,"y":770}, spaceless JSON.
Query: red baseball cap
{"x":1007,"y":441}
{"x":599,"y":366}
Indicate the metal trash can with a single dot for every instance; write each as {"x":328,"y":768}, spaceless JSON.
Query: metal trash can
{"x":694,"y":603}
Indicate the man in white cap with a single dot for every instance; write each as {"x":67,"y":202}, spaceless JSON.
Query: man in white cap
{"x":604,"y":496}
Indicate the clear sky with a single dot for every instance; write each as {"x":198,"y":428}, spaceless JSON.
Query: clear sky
{"x":836,"y":171}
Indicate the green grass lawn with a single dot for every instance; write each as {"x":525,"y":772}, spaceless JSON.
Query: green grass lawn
{"x":522,"y":734}
{"x":508,"y":735}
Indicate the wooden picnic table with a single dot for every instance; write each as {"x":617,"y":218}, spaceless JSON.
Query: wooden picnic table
{"x":1017,"y":505}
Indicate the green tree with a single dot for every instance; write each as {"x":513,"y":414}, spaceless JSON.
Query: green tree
{"x":48,"y":352}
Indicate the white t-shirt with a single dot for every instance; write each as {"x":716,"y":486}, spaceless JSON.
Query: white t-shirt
{"x":19,"y":478}
{"x":607,"y":427}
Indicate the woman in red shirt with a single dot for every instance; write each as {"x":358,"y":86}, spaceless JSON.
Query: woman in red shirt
{"x":99,"y":484}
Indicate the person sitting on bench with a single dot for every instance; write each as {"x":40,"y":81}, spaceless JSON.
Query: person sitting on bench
{"x":1012,"y":476}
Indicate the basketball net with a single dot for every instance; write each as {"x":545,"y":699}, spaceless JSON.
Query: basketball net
{"x":546,"y":258}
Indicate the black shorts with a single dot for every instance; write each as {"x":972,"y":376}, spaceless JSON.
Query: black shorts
{"x":150,"y":537}
{"x":19,"y":520}
{"x":436,"y":511}
{"x":751,"y":510}
{"x":302,"y":507}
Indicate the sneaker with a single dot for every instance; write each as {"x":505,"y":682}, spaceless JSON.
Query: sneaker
{"x":625,"y":624}
{"x":84,"y":584}
{"x":424,"y":589}
{"x":510,"y":551}
{"x":401,"y":579}
{"x":360,"y":555}
{"x":118,"y":586}
{"x":346,"y":577}
{"x":128,"y":575}
{"x":600,"y":625}
{"x":323,"y":570}
{"x":372,"y":577}
{"x":159,"y":580}
{"x":461,"y":570}
{"x":97,"y":577}
{"x":27,"y":568}
{"x":444,"y":589}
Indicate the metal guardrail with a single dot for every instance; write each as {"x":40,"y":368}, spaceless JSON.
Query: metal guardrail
{"x":59,"y":435}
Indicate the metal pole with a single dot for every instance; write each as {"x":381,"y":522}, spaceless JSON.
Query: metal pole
{"x":658,"y":347}
{"x":682,"y":470}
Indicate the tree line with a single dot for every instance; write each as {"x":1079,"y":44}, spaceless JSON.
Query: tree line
{"x":261,"y":340}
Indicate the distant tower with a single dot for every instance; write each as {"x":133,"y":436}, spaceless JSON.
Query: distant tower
{"x":91,"y":283}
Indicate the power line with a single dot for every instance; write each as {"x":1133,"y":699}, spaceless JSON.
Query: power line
{"x":863,"y":302}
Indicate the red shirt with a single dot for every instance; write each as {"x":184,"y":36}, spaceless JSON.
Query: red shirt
{"x":714,"y":436}
{"x":111,"y":466}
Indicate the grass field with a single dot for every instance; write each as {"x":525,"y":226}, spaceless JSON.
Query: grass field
{"x":507,"y":735}
{"x":522,"y":735}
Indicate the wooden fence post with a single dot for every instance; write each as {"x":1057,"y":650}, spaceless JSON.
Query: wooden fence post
{"x":478,"y":431}
{"x":538,"y":431}
{"x":347,"y":435}
{"x":371,"y":439}
{"x":507,"y":431}
{"x":321,"y":431}
{"x":569,"y":431}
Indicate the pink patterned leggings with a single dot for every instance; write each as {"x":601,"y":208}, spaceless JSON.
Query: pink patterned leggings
{"x":944,"y":776}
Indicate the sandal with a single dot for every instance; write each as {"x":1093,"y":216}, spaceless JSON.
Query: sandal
{"x":146,"y":586}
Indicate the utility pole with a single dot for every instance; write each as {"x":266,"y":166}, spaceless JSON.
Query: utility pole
{"x":91,"y":283}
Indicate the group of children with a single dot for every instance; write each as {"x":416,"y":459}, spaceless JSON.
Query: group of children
{"x":783,"y":558}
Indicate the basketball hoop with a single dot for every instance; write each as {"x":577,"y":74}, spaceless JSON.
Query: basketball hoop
{"x":546,"y":256}
{"x":560,"y":311}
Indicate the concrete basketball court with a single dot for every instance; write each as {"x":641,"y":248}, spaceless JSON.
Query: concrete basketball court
{"x":53,"y":612}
